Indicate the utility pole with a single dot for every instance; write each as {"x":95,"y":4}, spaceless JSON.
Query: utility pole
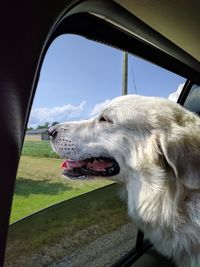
{"x":125,"y":74}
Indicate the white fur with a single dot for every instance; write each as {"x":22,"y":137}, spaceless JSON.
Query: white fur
{"x":157,"y":145}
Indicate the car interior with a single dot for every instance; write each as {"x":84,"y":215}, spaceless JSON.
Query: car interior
{"x":161,"y":32}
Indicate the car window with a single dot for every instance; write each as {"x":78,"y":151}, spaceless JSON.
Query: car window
{"x":59,"y":222}
{"x":193,"y":99}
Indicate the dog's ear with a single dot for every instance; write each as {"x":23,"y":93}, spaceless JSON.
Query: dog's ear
{"x":181,"y":149}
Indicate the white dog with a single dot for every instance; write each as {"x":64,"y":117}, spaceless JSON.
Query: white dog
{"x":152,"y":145}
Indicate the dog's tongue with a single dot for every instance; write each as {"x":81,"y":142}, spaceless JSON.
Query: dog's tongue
{"x":96,"y":165}
{"x":63,"y":165}
{"x":99,"y":165}
{"x":70,"y":164}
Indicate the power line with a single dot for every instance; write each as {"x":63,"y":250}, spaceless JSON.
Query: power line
{"x":133,"y":78}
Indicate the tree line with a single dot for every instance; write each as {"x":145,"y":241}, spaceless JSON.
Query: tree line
{"x":42,"y":126}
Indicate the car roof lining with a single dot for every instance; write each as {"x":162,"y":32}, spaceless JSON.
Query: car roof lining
{"x":178,"y":21}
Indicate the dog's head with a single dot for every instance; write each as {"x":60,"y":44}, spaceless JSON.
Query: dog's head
{"x":132,"y":134}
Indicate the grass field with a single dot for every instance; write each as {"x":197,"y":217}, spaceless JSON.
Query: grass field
{"x":38,"y":149}
{"x":40,"y":183}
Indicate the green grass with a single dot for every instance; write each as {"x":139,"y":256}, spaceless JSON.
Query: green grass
{"x":38,"y":149}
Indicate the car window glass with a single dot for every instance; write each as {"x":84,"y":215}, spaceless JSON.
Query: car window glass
{"x":86,"y":223}
{"x":193,"y":99}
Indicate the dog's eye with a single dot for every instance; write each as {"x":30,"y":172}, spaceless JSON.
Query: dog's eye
{"x":104,"y":118}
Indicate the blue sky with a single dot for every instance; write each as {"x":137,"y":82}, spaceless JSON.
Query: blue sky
{"x":79,"y":75}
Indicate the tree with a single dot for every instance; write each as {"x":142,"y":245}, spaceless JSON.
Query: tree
{"x":45,"y":125}
{"x":54,"y":123}
{"x":29,"y":128}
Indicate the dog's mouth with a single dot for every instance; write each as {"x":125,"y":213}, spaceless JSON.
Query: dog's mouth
{"x":97,"y":166}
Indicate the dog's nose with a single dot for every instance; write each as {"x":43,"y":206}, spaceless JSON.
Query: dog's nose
{"x":52,"y":131}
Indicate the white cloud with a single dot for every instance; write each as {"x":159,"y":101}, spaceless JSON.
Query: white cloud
{"x":175,"y":95}
{"x":68,"y":112}
{"x":59,"y":114}
{"x":98,"y":108}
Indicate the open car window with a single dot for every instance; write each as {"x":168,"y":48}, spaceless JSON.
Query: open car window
{"x":55,"y":221}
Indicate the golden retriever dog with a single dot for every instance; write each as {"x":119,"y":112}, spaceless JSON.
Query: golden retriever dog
{"x":152,"y":145}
